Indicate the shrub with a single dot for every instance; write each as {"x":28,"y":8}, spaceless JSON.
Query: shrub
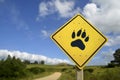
{"x":64,"y":69}
{"x":36,"y":70}
{"x":110,"y":65}
{"x":11,"y":68}
{"x":89,"y":70}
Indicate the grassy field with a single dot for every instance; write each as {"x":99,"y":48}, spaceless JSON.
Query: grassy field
{"x":69,"y":72}
{"x":48,"y":69}
{"x":93,"y":73}
{"x":101,"y":73}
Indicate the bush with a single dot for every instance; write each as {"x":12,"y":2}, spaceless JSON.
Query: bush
{"x":110,"y":65}
{"x":36,"y":70}
{"x":89,"y":70}
{"x":64,"y":69}
{"x":12,"y":68}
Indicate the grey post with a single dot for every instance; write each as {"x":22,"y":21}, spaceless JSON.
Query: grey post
{"x":79,"y":74}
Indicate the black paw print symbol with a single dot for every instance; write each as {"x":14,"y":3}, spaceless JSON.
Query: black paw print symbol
{"x":79,"y":42}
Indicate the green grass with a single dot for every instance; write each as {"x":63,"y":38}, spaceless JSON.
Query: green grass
{"x":49,"y":69}
{"x":68,"y":75}
{"x":102,"y":73}
{"x":69,"y":72}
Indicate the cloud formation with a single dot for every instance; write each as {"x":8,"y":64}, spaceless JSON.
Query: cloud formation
{"x":64,"y":8}
{"x":106,"y":17}
{"x":113,"y":41}
{"x":104,"y":14}
{"x":45,"y":33}
{"x":31,"y":57}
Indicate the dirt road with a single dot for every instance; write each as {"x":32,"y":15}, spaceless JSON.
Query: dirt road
{"x":54,"y":76}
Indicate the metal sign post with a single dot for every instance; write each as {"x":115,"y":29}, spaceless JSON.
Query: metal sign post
{"x":79,"y":74}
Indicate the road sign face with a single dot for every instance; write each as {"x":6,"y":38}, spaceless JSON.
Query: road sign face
{"x":79,"y":40}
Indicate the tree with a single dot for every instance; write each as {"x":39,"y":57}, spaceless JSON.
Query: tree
{"x":117,"y":56}
{"x":35,"y":62}
{"x":12,"y":68}
{"x":116,"y":61}
{"x":26,"y":61}
{"x":9,"y":58}
{"x":42,"y":62}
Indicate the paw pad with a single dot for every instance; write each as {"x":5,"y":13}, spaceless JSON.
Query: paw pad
{"x":79,"y":42}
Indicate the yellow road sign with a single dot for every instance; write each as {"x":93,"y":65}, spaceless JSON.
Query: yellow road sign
{"x":79,"y":40}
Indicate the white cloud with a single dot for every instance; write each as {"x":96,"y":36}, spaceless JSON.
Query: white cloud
{"x":45,"y":34}
{"x":65,"y":8}
{"x":104,"y":14}
{"x":102,"y":58}
{"x":46,"y":8}
{"x":31,"y":57}
{"x":113,"y":41}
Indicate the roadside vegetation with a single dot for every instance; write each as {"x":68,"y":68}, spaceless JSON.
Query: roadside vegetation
{"x":14,"y":69}
{"x":101,"y":73}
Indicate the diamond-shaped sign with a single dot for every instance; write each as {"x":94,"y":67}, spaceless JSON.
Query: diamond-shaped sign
{"x":79,"y":40}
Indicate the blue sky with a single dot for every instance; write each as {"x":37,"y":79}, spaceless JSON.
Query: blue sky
{"x":26,"y":26}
